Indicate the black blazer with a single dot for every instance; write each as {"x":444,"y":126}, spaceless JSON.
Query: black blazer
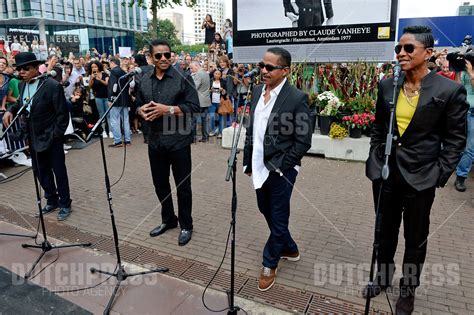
{"x":288,"y":135}
{"x":433,"y":142}
{"x":304,"y":3}
{"x":49,"y":115}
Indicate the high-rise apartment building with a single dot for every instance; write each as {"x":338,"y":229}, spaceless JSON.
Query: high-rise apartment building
{"x":73,"y":25}
{"x":176,"y":18}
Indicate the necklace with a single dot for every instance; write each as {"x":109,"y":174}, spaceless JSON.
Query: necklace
{"x":409,"y":98}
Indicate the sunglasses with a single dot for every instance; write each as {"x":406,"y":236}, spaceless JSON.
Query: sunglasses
{"x":409,"y":48}
{"x":158,"y":56}
{"x":268,"y":67}
{"x":27,"y":68}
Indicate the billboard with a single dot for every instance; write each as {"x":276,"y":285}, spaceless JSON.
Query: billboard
{"x":316,"y":30}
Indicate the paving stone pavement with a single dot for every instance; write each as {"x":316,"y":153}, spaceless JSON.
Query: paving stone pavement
{"x":332,"y":220}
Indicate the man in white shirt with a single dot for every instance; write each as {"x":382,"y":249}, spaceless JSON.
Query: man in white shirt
{"x":278,"y":136}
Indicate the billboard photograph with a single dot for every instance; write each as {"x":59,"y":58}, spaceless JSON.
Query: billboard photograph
{"x":316,"y":30}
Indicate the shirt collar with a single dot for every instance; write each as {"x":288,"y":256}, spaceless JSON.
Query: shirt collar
{"x":168,"y":72}
{"x":276,"y":91}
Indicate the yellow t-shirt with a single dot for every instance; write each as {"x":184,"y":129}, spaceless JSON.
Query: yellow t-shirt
{"x":405,"y":111}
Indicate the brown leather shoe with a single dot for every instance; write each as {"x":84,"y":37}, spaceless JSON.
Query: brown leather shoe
{"x":291,"y":256}
{"x":267,"y":278}
{"x":405,"y":305}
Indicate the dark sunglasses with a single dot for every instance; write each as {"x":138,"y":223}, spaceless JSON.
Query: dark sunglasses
{"x":268,"y":67}
{"x":26,"y":68}
{"x":409,"y":48}
{"x":159,"y":55}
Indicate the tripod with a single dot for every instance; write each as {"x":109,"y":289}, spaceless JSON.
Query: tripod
{"x":385,"y":172}
{"x":45,"y":246}
{"x":120,"y":273}
{"x":232,"y":173}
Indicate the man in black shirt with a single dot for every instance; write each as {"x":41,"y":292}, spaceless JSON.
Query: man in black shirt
{"x":166,"y":99}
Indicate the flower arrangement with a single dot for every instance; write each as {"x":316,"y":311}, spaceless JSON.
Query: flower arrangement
{"x":362,"y":121}
{"x":329,"y":103}
{"x":337,"y":131}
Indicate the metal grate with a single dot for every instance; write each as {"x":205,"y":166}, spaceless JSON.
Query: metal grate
{"x":278,"y":296}
{"x":176,"y":266}
{"x":202,"y":274}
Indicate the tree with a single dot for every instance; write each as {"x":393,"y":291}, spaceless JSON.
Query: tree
{"x":158,"y":4}
{"x":166,"y":30}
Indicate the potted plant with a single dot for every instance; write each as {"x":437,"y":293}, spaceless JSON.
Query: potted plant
{"x":330,"y":105}
{"x":358,"y":122}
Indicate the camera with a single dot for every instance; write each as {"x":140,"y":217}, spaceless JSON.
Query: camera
{"x":457,"y":60}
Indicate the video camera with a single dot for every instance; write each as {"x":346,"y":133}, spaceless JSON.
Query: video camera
{"x":457,"y":59}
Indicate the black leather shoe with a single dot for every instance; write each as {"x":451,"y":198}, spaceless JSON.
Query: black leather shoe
{"x":184,"y":237}
{"x":162,"y":228}
{"x":373,"y":290}
{"x":47,"y":209}
{"x":64,"y":213}
{"x":459,"y":184}
{"x":405,"y":305}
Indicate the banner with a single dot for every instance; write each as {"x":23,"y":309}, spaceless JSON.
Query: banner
{"x":67,"y":43}
{"x":316,"y":30}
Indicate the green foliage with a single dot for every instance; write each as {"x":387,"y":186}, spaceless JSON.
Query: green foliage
{"x":166,"y":30}
{"x":190,"y":49}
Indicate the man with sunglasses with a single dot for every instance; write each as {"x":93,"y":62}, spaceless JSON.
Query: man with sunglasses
{"x":277,"y":137}
{"x":166,"y":99}
{"x":47,"y":119}
{"x":429,"y":137}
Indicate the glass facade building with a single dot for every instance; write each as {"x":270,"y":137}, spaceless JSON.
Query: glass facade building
{"x":73,"y":25}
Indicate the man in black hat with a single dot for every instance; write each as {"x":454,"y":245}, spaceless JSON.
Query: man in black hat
{"x":47,"y":119}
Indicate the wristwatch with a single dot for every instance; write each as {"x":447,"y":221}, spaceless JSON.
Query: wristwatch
{"x":171,"y":110}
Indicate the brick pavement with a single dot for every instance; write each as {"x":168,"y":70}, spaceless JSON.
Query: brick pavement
{"x":332,"y":221}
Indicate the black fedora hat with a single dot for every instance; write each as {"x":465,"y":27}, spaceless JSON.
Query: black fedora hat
{"x":26,"y":58}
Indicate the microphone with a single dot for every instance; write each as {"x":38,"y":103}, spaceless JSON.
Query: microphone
{"x":252,"y":73}
{"x":51,"y":73}
{"x":396,"y":73}
{"x":131,"y":73}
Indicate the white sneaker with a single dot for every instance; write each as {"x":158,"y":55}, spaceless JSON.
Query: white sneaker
{"x":104,"y":134}
{"x":111,"y":135}
{"x":67,"y":147}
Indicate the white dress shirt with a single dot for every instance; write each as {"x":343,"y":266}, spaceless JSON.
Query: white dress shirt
{"x":261,"y":115}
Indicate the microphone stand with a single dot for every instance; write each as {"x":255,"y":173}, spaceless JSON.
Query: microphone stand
{"x":119,"y":273}
{"x":45,"y":246}
{"x":385,"y":172}
{"x":232,"y":173}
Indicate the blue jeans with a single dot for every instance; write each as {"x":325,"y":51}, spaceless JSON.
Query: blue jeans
{"x":273,"y":200}
{"x":101,"y":104}
{"x":120,"y":114}
{"x":464,"y":166}
{"x":212,"y":113}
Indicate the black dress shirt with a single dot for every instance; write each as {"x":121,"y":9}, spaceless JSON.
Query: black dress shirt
{"x":169,"y":132}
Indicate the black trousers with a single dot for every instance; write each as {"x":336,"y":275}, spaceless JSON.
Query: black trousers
{"x":50,"y":167}
{"x":399,"y":199}
{"x":180,"y":162}
{"x":273,"y":200}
